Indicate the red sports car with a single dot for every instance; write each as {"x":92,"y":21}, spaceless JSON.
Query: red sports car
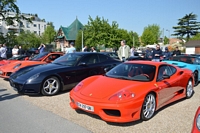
{"x":13,"y":59}
{"x":196,"y":123}
{"x":43,"y":58}
{"x":132,"y":90}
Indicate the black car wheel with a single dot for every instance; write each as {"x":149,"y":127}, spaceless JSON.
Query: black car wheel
{"x":50,"y":86}
{"x":195,"y":78}
{"x":148,"y":107}
{"x":189,"y":89}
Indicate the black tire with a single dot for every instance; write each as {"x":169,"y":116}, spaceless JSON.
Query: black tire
{"x":148,"y":107}
{"x":189,"y":89}
{"x":195,"y":78}
{"x":50,"y":86}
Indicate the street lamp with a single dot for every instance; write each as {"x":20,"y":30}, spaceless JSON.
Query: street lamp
{"x":82,"y":39}
{"x":169,"y":33}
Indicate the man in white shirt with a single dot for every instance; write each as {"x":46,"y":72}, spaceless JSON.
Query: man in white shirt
{"x":124,"y":51}
{"x":132,"y":51}
{"x":3,"y":52}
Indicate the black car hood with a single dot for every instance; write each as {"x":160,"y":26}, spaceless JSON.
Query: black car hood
{"x":30,"y":71}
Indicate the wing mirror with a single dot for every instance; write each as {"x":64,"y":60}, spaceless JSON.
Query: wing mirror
{"x":82,"y":64}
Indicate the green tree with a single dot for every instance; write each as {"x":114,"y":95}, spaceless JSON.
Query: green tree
{"x":151,"y":34}
{"x":134,"y":39}
{"x":49,"y":34}
{"x":166,"y":40}
{"x":196,"y":37}
{"x":187,"y":26}
{"x":99,"y":33}
{"x":28,"y":40}
{"x":11,"y":38}
{"x":10,"y":6}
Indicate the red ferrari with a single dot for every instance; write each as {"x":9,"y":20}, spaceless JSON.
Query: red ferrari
{"x":13,"y":59}
{"x":132,"y":90}
{"x":196,"y":123}
{"x":43,"y":58}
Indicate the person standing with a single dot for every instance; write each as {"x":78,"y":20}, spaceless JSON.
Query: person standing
{"x":124,"y":51}
{"x":157,"y":53}
{"x":93,"y":49}
{"x":71,"y":49}
{"x":132,"y":51}
{"x":148,"y":53}
{"x":3,"y":50}
{"x":176,"y":52}
{"x":21,"y":51}
{"x":85,"y":49}
{"x":15,"y":51}
{"x":41,"y":48}
{"x":166,"y":54}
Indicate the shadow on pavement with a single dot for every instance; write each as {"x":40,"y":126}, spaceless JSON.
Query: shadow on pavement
{"x":7,"y":96}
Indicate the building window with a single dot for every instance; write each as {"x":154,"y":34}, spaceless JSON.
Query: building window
{"x":44,"y":26}
{"x":27,"y":25}
{"x":39,"y":26}
{"x":39,"y":33}
{"x":35,"y":25}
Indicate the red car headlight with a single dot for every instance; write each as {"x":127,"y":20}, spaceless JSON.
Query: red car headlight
{"x":122,"y":95}
{"x":78,"y":87}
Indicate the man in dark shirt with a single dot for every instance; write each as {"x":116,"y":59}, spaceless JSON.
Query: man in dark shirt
{"x":157,"y":53}
{"x":176,"y":52}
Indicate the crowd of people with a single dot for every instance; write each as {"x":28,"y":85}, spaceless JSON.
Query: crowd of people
{"x":156,"y":54}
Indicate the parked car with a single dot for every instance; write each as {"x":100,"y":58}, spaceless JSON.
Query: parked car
{"x":132,"y":90}
{"x":13,"y":59}
{"x":33,"y":51}
{"x":63,"y":73}
{"x":189,"y":62}
{"x":196,"y":123}
{"x":111,"y":54}
{"x":43,"y":58}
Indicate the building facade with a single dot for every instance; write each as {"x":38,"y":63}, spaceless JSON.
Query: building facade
{"x":37,"y":26}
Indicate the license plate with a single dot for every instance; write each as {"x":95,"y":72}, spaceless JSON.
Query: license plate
{"x":85,"y":107}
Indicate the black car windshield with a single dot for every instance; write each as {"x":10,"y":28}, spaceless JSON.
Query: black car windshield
{"x":133,"y":71}
{"x":68,"y":59}
{"x":186,"y":59}
{"x":39,"y":57}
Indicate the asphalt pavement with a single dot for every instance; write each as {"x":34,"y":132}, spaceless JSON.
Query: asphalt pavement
{"x":20,"y":116}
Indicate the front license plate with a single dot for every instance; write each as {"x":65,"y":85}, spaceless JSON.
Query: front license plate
{"x":85,"y":107}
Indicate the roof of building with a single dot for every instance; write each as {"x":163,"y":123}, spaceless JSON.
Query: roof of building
{"x":71,"y":31}
{"x":193,"y":43}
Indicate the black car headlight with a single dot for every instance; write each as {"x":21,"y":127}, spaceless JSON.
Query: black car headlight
{"x":198,"y":121}
{"x":33,"y":77}
{"x":18,"y":65}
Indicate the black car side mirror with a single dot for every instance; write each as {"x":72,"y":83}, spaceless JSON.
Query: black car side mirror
{"x":82,"y":64}
{"x":107,"y":69}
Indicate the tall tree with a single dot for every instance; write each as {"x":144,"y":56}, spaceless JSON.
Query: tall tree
{"x":196,"y":37}
{"x":28,"y":39}
{"x":151,"y":34}
{"x":187,"y":26}
{"x":49,"y":34}
{"x":10,"y":6}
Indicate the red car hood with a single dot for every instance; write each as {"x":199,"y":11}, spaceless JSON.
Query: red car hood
{"x":100,"y":87}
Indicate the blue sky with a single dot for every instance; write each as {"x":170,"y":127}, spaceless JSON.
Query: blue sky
{"x":132,"y":15}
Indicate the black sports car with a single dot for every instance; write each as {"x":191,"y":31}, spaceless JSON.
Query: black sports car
{"x":63,"y":73}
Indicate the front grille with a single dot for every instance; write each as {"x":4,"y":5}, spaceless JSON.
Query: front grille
{"x":112,"y":112}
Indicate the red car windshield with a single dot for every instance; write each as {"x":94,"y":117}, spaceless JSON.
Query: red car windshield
{"x":132,"y":71}
{"x":39,"y":57}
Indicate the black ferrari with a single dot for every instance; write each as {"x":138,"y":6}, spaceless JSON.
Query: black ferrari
{"x":62,"y":74}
